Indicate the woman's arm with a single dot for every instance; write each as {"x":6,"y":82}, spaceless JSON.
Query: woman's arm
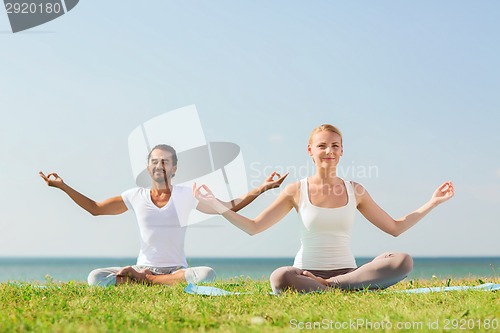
{"x":376,"y":215}
{"x":270,"y":216}
{"x":111,"y":206}
{"x":237,"y":204}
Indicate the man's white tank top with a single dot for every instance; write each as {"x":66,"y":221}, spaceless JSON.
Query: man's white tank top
{"x":325,"y":233}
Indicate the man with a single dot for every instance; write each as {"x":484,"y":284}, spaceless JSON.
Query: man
{"x":162,"y":212}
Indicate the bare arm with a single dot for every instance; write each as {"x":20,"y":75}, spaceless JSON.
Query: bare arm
{"x":111,"y":206}
{"x":270,"y":216}
{"x":237,"y":204}
{"x":376,"y":215}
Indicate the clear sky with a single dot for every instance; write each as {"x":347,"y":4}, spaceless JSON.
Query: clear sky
{"x":414,"y":86}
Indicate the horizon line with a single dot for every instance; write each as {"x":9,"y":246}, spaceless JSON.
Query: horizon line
{"x":238,"y":257}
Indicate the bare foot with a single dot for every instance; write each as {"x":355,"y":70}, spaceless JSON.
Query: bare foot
{"x":129,"y":274}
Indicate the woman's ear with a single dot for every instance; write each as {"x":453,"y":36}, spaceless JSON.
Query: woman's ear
{"x":309,"y":150}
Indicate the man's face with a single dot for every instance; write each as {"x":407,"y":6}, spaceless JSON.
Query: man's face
{"x":160,"y":166}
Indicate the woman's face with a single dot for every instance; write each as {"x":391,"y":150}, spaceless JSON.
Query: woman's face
{"x":325,"y":149}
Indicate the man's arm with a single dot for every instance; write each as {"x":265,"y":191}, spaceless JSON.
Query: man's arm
{"x":237,"y":204}
{"x":111,"y":206}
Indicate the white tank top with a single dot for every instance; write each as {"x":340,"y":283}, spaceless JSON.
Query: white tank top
{"x":325,"y":233}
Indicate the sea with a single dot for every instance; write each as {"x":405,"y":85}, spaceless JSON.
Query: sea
{"x":41,"y":270}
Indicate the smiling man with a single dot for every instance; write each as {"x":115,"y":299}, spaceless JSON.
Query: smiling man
{"x":162,"y":212}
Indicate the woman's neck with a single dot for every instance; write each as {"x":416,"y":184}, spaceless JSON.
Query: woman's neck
{"x":326,"y":176}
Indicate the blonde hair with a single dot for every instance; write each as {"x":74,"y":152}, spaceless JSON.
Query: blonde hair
{"x":325,"y":127}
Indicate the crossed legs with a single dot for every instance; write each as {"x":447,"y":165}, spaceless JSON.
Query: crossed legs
{"x":111,"y":276}
{"x":383,"y":271}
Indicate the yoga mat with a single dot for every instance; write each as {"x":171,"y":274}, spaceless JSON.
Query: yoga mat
{"x":214,"y":291}
{"x":485,"y":287}
{"x":207,"y":291}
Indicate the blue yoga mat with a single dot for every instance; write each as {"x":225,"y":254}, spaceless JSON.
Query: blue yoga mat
{"x":214,"y":291}
{"x":207,"y":291}
{"x":486,"y":287}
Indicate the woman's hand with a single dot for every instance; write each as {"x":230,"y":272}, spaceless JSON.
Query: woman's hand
{"x":205,"y":196}
{"x":314,"y":277}
{"x":52,"y":179}
{"x":443,"y":193}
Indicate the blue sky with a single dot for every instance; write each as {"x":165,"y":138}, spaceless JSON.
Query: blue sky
{"x":412,"y":85}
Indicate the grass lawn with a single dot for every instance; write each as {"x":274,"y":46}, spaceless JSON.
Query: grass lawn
{"x":75,"y":307}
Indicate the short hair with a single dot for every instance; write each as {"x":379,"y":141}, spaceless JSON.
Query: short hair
{"x":165,"y":147}
{"x":325,"y":127}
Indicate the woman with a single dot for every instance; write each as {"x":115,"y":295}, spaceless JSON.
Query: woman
{"x":327,"y":206}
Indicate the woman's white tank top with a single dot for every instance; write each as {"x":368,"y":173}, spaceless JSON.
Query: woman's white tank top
{"x":325,"y":233}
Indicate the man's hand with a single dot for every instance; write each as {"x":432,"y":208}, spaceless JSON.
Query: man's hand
{"x":270,"y":182}
{"x":137,"y":276}
{"x":52,"y":179}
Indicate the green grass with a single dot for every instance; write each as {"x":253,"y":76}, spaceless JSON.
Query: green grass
{"x":75,"y":307}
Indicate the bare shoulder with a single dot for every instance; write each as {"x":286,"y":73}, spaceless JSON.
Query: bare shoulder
{"x":292,"y":189}
{"x":291,"y":194}
{"x":359,"y":191}
{"x":357,"y":186}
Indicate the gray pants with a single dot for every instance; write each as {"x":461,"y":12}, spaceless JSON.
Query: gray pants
{"x":105,"y":277}
{"x":382,"y":272}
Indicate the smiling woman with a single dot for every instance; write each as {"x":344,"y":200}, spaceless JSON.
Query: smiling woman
{"x":327,"y":205}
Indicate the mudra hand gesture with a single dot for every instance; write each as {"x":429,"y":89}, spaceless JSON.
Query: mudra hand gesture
{"x":52,"y":179}
{"x":443,"y":193}
{"x":270,"y":182}
{"x":205,"y":196}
